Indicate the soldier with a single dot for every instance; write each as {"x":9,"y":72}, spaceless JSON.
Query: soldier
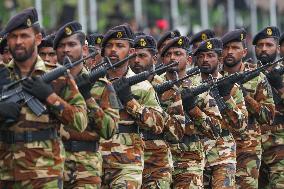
{"x":31,"y":152}
{"x":4,"y":51}
{"x":83,"y":165}
{"x":94,"y":45}
{"x":46,"y":51}
{"x":158,"y":164}
{"x":257,"y":94}
{"x":221,"y":153}
{"x":266,"y":50}
{"x":165,"y":38}
{"x":123,"y":153}
{"x":188,"y":152}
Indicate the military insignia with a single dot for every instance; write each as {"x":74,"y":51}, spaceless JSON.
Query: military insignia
{"x":68,"y":31}
{"x":209,"y":45}
{"x":1,"y":39}
{"x":180,"y":42}
{"x":203,"y":36}
{"x":119,"y":34}
{"x":143,"y":43}
{"x":269,"y":31}
{"x":29,"y":22}
{"x":99,"y":40}
{"x":242,"y":36}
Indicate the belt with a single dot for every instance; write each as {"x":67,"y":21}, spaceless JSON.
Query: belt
{"x":128,"y":129}
{"x":187,"y":139}
{"x":11,"y":137}
{"x":278,"y":119}
{"x":79,"y":146}
{"x":148,"y":135}
{"x":225,"y":133}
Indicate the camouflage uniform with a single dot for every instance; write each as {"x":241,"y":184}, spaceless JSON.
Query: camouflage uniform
{"x":123,"y":153}
{"x":259,"y":103}
{"x":220,"y":154}
{"x":158,"y":163}
{"x":39,"y":163}
{"x":273,"y":144}
{"x":83,"y":167}
{"x":188,"y":153}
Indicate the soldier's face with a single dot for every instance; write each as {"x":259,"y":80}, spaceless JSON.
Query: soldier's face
{"x":117,"y":49}
{"x":23,"y":43}
{"x":266,"y":50}
{"x":71,"y":47}
{"x":233,"y":53}
{"x":6,"y":56}
{"x":144,"y":61}
{"x":282,"y":49}
{"x":179,"y":55}
{"x":208,"y":62}
{"x":48,"y":54}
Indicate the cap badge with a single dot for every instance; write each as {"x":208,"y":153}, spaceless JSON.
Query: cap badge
{"x":99,"y":40}
{"x":119,"y":34}
{"x":203,"y":36}
{"x":143,"y":43}
{"x":68,"y":31}
{"x":180,"y":42}
{"x":242,"y":36}
{"x":269,"y":31}
{"x":209,"y":45}
{"x":29,"y":22}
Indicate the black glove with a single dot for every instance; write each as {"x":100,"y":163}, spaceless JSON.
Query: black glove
{"x":275,"y":79}
{"x":225,"y":88}
{"x":84,"y":86}
{"x":189,"y":100}
{"x":37,"y":87}
{"x":122,"y":88}
{"x":10,"y":110}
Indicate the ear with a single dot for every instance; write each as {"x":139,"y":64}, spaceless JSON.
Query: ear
{"x":245,"y":52}
{"x":38,"y":38}
{"x":155,"y":59}
{"x":189,"y":60}
{"x":85,"y":50}
{"x":220,"y":59}
{"x":278,"y":49}
{"x":131,"y":51}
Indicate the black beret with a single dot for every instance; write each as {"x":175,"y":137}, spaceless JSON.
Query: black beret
{"x":47,"y":41}
{"x":3,"y":44}
{"x":235,"y":35}
{"x":212,"y":44}
{"x":121,"y":32}
{"x":67,"y":30}
{"x":202,"y":36}
{"x":168,"y":35}
{"x":22,"y":20}
{"x":268,"y":32}
{"x":180,"y":42}
{"x":281,"y":39}
{"x":95,"y":39}
{"x":145,"y":41}
{"x":139,"y":33}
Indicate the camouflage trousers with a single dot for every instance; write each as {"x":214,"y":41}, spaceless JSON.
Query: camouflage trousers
{"x":273,"y":158}
{"x":82,"y":170}
{"x":188,"y":165}
{"x":220,"y":162}
{"x":42,"y":183}
{"x":248,"y":160}
{"x":158,"y":165}
{"x":122,"y":161}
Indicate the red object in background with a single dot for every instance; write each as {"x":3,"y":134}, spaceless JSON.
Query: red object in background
{"x":162,"y":24}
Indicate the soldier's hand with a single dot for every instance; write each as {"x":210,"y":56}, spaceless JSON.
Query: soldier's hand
{"x":123,"y":90}
{"x":189,"y":100}
{"x":275,"y":79}
{"x":84,"y":85}
{"x":37,"y":87}
{"x":9,"y":110}
{"x":225,"y":88}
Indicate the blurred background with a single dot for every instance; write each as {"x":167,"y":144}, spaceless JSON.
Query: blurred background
{"x":153,"y":16}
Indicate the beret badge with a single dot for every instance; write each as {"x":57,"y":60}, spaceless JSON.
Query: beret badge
{"x":180,"y":42}
{"x":204,"y":37}
{"x":68,"y":31}
{"x":209,"y":45}
{"x":99,"y":40}
{"x":269,"y":31}
{"x":119,"y":35}
{"x":29,"y":22}
{"x":143,"y":42}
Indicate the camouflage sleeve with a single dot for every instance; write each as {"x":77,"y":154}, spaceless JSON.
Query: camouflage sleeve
{"x":103,"y":109}
{"x":235,"y":115}
{"x":175,"y":122}
{"x":146,"y":108}
{"x":69,"y":106}
{"x":260,"y":101}
{"x":206,"y":116}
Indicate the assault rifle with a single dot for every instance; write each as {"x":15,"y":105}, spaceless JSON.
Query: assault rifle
{"x":13,"y":92}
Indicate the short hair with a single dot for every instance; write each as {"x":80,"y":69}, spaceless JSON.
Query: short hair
{"x":81,"y":37}
{"x":37,"y":29}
